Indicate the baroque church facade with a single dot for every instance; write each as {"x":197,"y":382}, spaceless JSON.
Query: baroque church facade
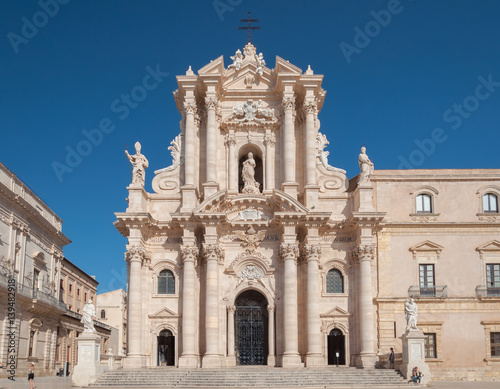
{"x":254,"y":250}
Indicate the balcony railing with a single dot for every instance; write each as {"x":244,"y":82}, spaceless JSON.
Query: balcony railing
{"x":35,"y":294}
{"x":438,"y":291}
{"x":487,"y":291}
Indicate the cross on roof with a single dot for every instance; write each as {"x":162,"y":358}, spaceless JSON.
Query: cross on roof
{"x":249,"y":27}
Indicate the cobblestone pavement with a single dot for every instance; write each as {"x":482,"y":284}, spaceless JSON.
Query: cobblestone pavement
{"x":62,"y":383}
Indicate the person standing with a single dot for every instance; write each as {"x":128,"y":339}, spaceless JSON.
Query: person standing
{"x":391,"y":359}
{"x":31,"y":375}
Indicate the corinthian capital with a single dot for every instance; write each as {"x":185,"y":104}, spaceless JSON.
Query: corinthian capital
{"x":312,"y":252}
{"x":213,"y":252}
{"x":190,"y":107}
{"x":310,"y":107}
{"x":363,"y":252}
{"x":136,"y":254}
{"x":288,"y":103}
{"x":210,"y":103}
{"x":289,"y":251}
{"x":189,"y":253}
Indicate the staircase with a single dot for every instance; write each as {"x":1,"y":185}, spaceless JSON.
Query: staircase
{"x":252,"y":377}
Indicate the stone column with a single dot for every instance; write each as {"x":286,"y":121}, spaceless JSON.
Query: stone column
{"x":212,"y":358}
{"x":269,"y":142}
{"x":313,"y":358}
{"x":232,"y":183}
{"x":210,"y":187}
{"x":289,"y":254}
{"x":135,"y":256}
{"x":189,"y":357}
{"x":289,"y":139}
{"x":365,"y":254}
{"x":310,"y":110}
{"x":230,"y":335}
{"x":189,"y":194}
{"x":271,"y":359}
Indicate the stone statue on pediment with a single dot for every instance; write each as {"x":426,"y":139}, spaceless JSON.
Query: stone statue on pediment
{"x":365,"y":165}
{"x":237,"y":60}
{"x":88,"y":312}
{"x":139,"y":163}
{"x":260,"y":64}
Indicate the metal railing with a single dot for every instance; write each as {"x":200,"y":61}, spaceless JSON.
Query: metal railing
{"x":437,"y":291}
{"x":487,"y":291}
{"x":35,"y":294}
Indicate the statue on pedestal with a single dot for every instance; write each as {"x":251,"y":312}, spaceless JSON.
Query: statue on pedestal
{"x":88,"y":312}
{"x":365,"y":165}
{"x":248,"y":176}
{"x":260,"y":64}
{"x":237,"y":60}
{"x":139,"y":163}
{"x":411,"y":313}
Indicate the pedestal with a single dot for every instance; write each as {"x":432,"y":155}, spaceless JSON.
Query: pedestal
{"x":292,"y":361}
{"x":88,"y":369}
{"x":414,"y":355}
{"x":189,"y":198}
{"x":291,"y":189}
{"x":311,"y":194}
{"x":209,"y":188}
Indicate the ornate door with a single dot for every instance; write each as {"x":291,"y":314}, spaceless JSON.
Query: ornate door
{"x":250,"y":332}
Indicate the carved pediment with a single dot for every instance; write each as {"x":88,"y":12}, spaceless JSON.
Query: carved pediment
{"x":246,"y":78}
{"x":335,"y":313}
{"x":491,"y":247}
{"x":426,"y":247}
{"x":164,"y":313}
{"x":215,"y":67}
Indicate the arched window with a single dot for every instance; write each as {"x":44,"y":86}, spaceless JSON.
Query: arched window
{"x":424,"y":203}
{"x":490,"y":203}
{"x":103,"y":314}
{"x":166,"y":282}
{"x":334,"y":281}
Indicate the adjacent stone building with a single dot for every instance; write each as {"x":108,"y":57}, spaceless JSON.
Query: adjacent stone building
{"x":254,"y":250}
{"x":112,"y":310}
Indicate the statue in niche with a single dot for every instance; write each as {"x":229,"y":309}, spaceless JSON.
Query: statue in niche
{"x":248,"y":176}
{"x":139,"y":163}
{"x":237,"y":60}
{"x":88,"y":312}
{"x":365,"y":165}
{"x":411,"y":313}
{"x":260,"y":64}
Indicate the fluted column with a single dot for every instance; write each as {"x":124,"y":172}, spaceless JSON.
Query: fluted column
{"x":289,"y":140}
{"x":135,"y":256}
{"x":271,"y":359}
{"x":269,"y":142}
{"x":232,"y":184}
{"x":189,"y":148}
{"x":310,"y":109}
{"x":212,"y":253}
{"x":364,"y":254}
{"x":230,"y":334}
{"x":313,"y":358}
{"x":211,"y":166}
{"x":289,"y":254}
{"x":189,"y":356}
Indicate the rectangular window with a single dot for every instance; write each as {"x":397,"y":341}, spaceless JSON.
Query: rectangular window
{"x":85,"y":297}
{"x":78,"y":292}
{"x":493,"y":275}
{"x":32,"y":337}
{"x":426,"y":276}
{"x":430,"y":346}
{"x":495,"y":344}
{"x":70,"y":289}
{"x":36,"y":276}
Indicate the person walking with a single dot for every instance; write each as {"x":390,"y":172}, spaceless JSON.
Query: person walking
{"x":31,"y":375}
{"x":391,"y":359}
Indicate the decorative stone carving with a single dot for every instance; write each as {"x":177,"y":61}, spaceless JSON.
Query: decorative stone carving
{"x":88,"y":312}
{"x":137,"y":253}
{"x":251,"y":111}
{"x":260,"y":64}
{"x":289,"y":251}
{"x":248,"y":176}
{"x":251,"y":239}
{"x":363,"y":251}
{"x":249,"y":51}
{"x":250,"y":272}
{"x":411,"y":314}
{"x":190,"y":107}
{"x":237,"y":60}
{"x":189,"y":253}
{"x":211,"y":103}
{"x":365,"y":165}
{"x":424,"y":218}
{"x":312,"y":252}
{"x":249,"y":80}
{"x":310,"y":107}
{"x":322,"y":155}
{"x":229,"y":140}
{"x":139,"y":163}
{"x":169,"y":178}
{"x":270,"y":140}
{"x":212,"y":251}
{"x":288,"y":103}
{"x":231,"y":309}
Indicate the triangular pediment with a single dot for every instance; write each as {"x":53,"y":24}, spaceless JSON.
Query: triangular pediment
{"x":284,"y":66}
{"x":214,"y":67}
{"x":336,"y":312}
{"x":492,"y":245}
{"x":426,"y":246}
{"x":164,"y":313}
{"x":246,"y":78}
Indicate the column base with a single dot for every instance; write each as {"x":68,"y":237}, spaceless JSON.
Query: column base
{"x":367,"y":361}
{"x":134,"y":361}
{"x":189,"y":195}
{"x":209,"y":188}
{"x":292,"y":360}
{"x":271,"y":361}
{"x":230,"y":361}
{"x":188,"y":361}
{"x":315,"y":360}
{"x":211,"y":362}
{"x":291,"y":189}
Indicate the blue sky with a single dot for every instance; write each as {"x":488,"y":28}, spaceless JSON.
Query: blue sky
{"x":417,"y":82}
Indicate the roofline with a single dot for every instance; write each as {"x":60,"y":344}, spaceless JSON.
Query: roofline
{"x":85,"y":273}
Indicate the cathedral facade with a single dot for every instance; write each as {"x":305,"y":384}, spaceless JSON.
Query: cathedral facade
{"x":254,"y":250}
